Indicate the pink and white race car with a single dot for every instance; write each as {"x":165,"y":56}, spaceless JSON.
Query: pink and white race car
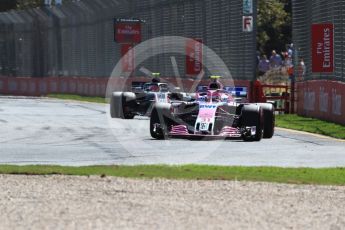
{"x":214,"y":114}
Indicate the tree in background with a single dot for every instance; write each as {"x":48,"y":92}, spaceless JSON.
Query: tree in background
{"x":6,"y":5}
{"x":274,"y":25}
{"x":27,"y":4}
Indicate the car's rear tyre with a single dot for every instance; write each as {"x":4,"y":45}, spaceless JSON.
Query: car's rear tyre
{"x":120,"y":104}
{"x":252,"y":115}
{"x":159,"y":121}
{"x":269,"y":120}
{"x":128,"y":102}
{"x":116,"y":105}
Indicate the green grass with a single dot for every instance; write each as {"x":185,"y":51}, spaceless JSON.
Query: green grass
{"x":78,"y":98}
{"x":326,"y":176}
{"x":291,"y":121}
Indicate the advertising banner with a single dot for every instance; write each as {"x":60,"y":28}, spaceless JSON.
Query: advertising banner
{"x":127,"y":31}
{"x":248,"y":23}
{"x":247,"y":6}
{"x":322,"y":48}
{"x":127,"y":53}
{"x":194,"y":56}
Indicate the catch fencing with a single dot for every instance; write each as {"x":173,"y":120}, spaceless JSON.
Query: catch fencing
{"x":319,"y":38}
{"x":76,"y":39}
{"x":309,"y":12}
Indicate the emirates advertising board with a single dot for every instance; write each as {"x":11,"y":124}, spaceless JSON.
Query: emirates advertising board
{"x":127,"y":30}
{"x":194,"y":56}
{"x":322,"y":48}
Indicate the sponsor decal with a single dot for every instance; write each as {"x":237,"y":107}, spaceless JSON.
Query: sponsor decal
{"x":207,"y":112}
{"x":322,"y":48}
{"x":207,"y":106}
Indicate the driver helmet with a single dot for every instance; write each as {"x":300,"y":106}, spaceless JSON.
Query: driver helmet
{"x":155,"y":78}
{"x":215,"y":84}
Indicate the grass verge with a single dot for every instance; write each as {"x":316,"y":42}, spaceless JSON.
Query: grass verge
{"x":311,"y":125}
{"x":324,"y":176}
{"x":77,"y":98}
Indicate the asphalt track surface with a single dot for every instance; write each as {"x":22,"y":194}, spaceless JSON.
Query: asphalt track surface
{"x":57,"y":132}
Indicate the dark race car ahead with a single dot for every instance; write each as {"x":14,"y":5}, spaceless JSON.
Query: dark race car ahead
{"x":214,"y":114}
{"x":126,"y":105}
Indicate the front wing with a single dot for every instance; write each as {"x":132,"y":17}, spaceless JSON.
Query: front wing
{"x":227,"y":132}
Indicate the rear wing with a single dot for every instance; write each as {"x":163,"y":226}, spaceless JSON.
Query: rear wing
{"x":239,"y":92}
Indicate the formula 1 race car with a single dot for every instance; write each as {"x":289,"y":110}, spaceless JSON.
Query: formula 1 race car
{"x":214,"y":114}
{"x":140,"y":101}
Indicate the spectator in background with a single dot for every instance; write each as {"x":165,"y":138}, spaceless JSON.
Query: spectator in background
{"x":290,"y":50}
{"x":264,"y":65}
{"x":288,"y":63}
{"x":285,"y":56}
{"x":302,"y":69}
{"x":257,"y":57}
{"x":275,"y":60}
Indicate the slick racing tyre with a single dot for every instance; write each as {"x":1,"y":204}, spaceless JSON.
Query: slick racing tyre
{"x":269,"y":119}
{"x":252,"y":115}
{"x":159,"y":121}
{"x":120,"y":105}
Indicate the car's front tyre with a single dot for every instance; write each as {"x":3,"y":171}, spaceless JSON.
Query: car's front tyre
{"x":159,"y":121}
{"x":269,"y":120}
{"x":252,"y":115}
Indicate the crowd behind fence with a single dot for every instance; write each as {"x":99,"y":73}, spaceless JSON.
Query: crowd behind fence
{"x":77,"y":38}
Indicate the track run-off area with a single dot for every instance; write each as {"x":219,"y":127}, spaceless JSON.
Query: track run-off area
{"x":58,"y":132}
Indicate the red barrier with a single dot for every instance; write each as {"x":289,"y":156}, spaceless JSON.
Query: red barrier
{"x":87,"y":86}
{"x":3,"y":85}
{"x":322,"y":99}
{"x":22,"y":86}
{"x":26,"y":86}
